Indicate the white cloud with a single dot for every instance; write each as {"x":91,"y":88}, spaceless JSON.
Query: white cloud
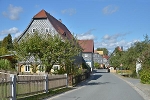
{"x":112,"y":41}
{"x":87,"y":35}
{"x":13,"y":12}
{"x":13,"y":31}
{"x":70,"y":11}
{"x":110,"y":9}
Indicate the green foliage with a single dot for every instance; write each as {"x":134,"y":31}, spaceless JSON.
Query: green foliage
{"x":5,"y":64}
{"x":6,"y":45}
{"x":0,"y":44}
{"x":105,"y":51}
{"x":3,"y":51}
{"x":140,"y":50}
{"x":96,"y":65}
{"x":50,"y":49}
{"x":86,"y":66}
{"x":52,"y":92}
{"x":145,"y":76}
{"x":7,"y":42}
{"x":117,"y":58}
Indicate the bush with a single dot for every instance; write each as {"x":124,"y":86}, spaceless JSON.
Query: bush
{"x":5,"y":64}
{"x":145,"y":76}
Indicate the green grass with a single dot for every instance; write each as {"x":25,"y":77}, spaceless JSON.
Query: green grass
{"x":46,"y":95}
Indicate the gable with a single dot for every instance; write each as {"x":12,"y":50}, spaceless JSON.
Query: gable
{"x":44,"y":21}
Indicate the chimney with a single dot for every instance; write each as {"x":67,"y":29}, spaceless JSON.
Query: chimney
{"x":60,"y":20}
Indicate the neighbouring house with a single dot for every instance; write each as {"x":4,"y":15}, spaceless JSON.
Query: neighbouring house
{"x":97,"y":58}
{"x":100,"y":52}
{"x":43,"y":23}
{"x":88,"y":50}
{"x":105,"y":61}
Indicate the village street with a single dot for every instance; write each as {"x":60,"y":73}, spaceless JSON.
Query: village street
{"x":101,"y":86}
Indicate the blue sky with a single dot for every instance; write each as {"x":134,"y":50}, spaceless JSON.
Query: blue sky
{"x":109,"y":23}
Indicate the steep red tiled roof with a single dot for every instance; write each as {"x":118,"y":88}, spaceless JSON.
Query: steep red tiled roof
{"x":41,"y":14}
{"x":59,"y":26}
{"x":87,"y":45}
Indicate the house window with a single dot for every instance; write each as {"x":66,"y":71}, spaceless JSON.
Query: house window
{"x":64,"y":33}
{"x":46,"y":30}
{"x":33,"y":30}
{"x":27,"y":68}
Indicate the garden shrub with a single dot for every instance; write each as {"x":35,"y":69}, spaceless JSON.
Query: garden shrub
{"x":5,"y":64}
{"x":145,"y":76}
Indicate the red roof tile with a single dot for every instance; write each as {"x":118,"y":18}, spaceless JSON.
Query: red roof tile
{"x":41,"y":14}
{"x":87,"y":45}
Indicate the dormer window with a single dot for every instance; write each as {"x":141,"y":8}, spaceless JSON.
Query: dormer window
{"x":64,"y":33}
{"x":46,"y":30}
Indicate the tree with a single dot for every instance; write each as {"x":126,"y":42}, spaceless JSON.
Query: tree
{"x":0,"y":44}
{"x":115,"y":59}
{"x":50,"y":49}
{"x":7,"y":42}
{"x":3,"y":51}
{"x":105,"y":51}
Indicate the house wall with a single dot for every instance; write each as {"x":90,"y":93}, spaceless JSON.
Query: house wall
{"x":41,"y":25}
{"x":88,"y":57}
{"x":22,"y":69}
{"x":97,"y":58}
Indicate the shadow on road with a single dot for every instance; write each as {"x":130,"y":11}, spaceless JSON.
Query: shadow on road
{"x":95,"y":77}
{"x":97,"y":83}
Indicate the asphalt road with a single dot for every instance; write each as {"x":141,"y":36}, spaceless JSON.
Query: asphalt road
{"x":101,"y":86}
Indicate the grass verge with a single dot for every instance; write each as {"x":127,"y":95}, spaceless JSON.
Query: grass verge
{"x":46,"y":95}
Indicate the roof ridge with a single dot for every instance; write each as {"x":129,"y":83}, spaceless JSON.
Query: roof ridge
{"x":41,"y":14}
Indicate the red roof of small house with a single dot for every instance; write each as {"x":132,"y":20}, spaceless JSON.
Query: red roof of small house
{"x":119,"y":48}
{"x":106,"y":56}
{"x":87,"y":45}
{"x":95,"y":51}
{"x":58,"y":25}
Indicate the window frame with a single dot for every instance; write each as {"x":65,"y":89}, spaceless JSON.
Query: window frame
{"x":33,"y":30}
{"x":27,"y":68}
{"x":46,"y":30}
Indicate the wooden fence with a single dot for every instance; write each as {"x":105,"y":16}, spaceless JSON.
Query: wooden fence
{"x":14,"y":86}
{"x":74,"y":80}
{"x":18,"y":86}
{"x":5,"y":84}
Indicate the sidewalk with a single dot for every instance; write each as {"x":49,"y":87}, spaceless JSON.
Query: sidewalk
{"x":142,"y":89}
